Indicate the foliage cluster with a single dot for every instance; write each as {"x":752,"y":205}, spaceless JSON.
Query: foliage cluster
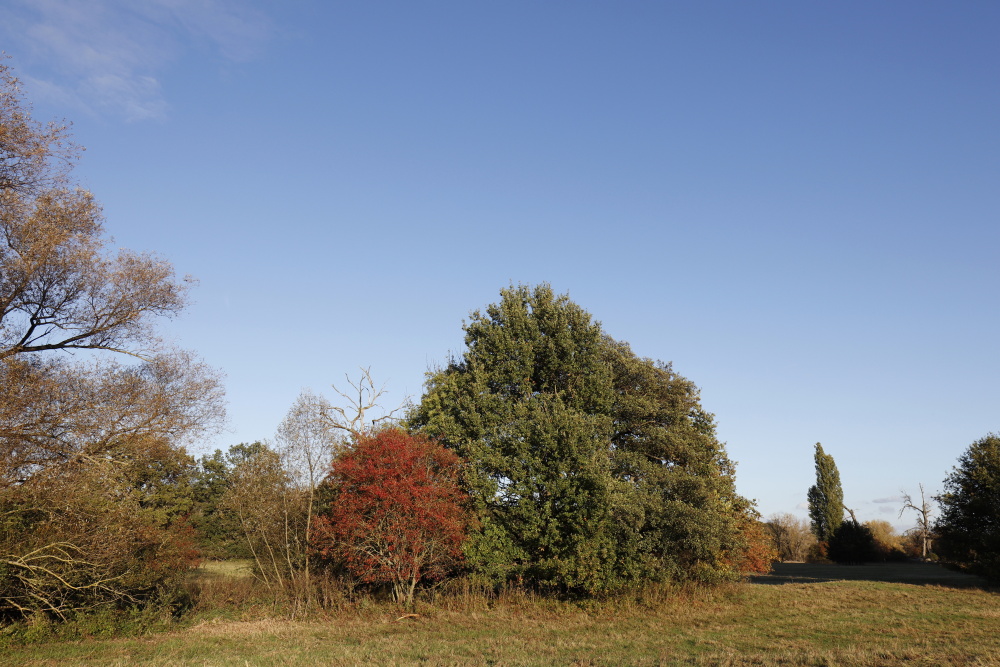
{"x":852,"y":543}
{"x":96,"y":534}
{"x":218,"y":533}
{"x":546,"y":457}
{"x":396,"y":513}
{"x":969,"y":526}
{"x":837,"y":540}
{"x":93,"y":497}
{"x":588,"y":467}
{"x":887,"y":543}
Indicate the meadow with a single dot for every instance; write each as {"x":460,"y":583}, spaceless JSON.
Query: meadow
{"x":913,"y":614}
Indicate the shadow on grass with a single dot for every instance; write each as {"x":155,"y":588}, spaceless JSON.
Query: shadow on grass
{"x":927,"y":574}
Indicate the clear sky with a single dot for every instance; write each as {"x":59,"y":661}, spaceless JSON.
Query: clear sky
{"x":796,"y":203}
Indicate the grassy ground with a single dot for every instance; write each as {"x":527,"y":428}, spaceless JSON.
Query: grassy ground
{"x":224,"y":569}
{"x":844,"y":617}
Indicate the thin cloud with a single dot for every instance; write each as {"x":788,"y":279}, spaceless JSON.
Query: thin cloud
{"x":889,"y":499}
{"x":107,"y":56}
{"x":237,"y":31}
{"x":138,"y":97}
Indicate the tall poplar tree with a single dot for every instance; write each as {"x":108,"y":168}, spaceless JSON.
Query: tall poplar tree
{"x":826,"y":497}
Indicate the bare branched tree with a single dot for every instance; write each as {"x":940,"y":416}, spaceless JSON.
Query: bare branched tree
{"x":924,"y":512}
{"x":354,"y":418}
{"x":306,"y":442}
{"x":274,"y":493}
{"x":790,"y":536}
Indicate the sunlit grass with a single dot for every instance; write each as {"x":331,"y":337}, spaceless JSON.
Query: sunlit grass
{"x":826,"y":623}
{"x":211,"y":569}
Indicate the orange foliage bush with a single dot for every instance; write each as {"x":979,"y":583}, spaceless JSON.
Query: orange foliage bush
{"x":757,"y":552}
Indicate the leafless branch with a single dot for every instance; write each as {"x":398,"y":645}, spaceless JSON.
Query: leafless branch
{"x":363,"y":397}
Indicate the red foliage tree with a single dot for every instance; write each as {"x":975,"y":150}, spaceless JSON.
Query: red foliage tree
{"x":398,"y":516}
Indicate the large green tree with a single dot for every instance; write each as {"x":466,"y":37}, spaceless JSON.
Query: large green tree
{"x":969,"y":526}
{"x":826,"y":497}
{"x":676,"y":511}
{"x":587,"y":466}
{"x":528,"y":406}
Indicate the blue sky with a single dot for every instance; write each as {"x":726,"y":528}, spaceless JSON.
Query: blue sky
{"x":794,"y":202}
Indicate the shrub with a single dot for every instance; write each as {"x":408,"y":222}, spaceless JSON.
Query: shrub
{"x":398,"y":515}
{"x":852,"y":543}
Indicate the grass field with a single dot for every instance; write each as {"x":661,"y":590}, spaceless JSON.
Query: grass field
{"x":226,"y":569}
{"x":814,"y":615}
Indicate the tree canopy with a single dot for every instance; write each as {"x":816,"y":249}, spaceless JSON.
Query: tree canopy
{"x":94,"y":409}
{"x":62,"y":290}
{"x":852,"y":543}
{"x":969,"y":526}
{"x":588,"y":466}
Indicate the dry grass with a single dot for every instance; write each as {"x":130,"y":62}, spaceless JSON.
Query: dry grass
{"x":825,"y":623}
